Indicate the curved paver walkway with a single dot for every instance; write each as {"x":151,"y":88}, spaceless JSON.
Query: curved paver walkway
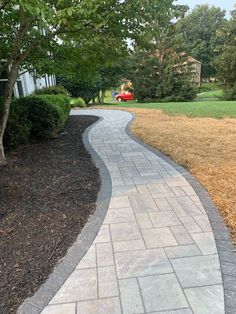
{"x":155,"y":252}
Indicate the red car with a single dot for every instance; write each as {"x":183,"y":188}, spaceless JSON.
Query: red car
{"x":124,"y":96}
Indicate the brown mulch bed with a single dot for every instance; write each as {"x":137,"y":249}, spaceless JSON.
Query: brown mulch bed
{"x":47,"y":192}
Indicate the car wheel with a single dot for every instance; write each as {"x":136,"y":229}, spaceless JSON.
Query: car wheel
{"x":119,"y":99}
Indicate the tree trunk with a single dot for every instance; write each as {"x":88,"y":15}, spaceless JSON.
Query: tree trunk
{"x":99,"y":98}
{"x":103,"y":96}
{"x":7,"y":97}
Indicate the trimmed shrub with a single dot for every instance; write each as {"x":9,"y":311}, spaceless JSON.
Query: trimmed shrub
{"x":36,"y":117}
{"x":52,"y":90}
{"x":62,"y":104}
{"x":77,"y":102}
{"x":18,"y":126}
{"x":44,"y":118}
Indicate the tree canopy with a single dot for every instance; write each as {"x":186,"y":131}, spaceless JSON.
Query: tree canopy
{"x":226,"y":62}
{"x":158,"y":65}
{"x":54,"y":35}
{"x":201,"y":35}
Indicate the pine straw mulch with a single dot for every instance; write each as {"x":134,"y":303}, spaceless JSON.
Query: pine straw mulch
{"x":206,"y":146}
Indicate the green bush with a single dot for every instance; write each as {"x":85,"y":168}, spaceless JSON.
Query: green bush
{"x":62,"y":104}
{"x":52,"y":90}
{"x":186,"y":92}
{"x":207,"y":87}
{"x":173,"y":89}
{"x":18,"y":126}
{"x":230,"y":92}
{"x":44,"y":117}
{"x":35,"y":117}
{"x":77,"y":102}
{"x":87,"y":90}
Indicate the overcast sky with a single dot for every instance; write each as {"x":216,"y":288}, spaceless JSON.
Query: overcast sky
{"x":224,"y":4}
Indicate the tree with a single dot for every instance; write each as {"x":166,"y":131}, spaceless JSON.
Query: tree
{"x":33,"y":32}
{"x":200,"y":32}
{"x":69,"y":37}
{"x":110,"y":76}
{"x":86,"y":89}
{"x":226,"y":62}
{"x":159,"y":65}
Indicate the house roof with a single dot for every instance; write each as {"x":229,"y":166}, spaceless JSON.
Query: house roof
{"x":193,"y":60}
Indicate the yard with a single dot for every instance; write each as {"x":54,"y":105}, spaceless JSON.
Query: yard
{"x":200,"y":136}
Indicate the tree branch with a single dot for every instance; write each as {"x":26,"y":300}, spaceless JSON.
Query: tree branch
{"x":48,"y":36}
{"x":24,"y":25}
{"x":4,"y":4}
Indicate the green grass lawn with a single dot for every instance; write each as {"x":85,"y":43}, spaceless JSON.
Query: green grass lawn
{"x":210,"y":95}
{"x":215,"y":109}
{"x":207,"y":104}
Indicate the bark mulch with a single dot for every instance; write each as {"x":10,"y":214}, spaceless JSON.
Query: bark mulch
{"x":47,"y":192}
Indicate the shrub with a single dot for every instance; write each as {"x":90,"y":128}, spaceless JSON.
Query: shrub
{"x":44,"y":118}
{"x":36,"y":117}
{"x":230,"y":92}
{"x":77,"y":102}
{"x":62,"y":104}
{"x":186,"y":92}
{"x":207,"y":87}
{"x":48,"y":114}
{"x":18,"y":126}
{"x":87,"y":90}
{"x":52,"y":90}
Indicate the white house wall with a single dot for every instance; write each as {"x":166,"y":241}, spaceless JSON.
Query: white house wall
{"x":28,"y":83}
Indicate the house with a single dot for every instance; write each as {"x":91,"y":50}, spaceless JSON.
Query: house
{"x":189,"y":63}
{"x":126,"y":85}
{"x":196,"y":69}
{"x":27,"y":82}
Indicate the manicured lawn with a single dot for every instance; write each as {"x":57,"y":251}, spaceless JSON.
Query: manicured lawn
{"x":215,"y":109}
{"x":210,"y":95}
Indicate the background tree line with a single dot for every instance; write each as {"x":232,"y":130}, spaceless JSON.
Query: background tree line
{"x":156,"y":62}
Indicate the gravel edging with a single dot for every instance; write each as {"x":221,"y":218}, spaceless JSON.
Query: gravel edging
{"x":66,"y":266}
{"x":225,"y":247}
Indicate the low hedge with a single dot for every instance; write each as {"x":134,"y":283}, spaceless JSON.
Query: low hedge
{"x":77,"y":102}
{"x":35,"y":117}
{"x":52,"y":90}
{"x":61,"y":103}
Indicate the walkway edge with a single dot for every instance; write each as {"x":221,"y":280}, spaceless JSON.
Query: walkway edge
{"x":76,"y":252}
{"x":225,"y":247}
